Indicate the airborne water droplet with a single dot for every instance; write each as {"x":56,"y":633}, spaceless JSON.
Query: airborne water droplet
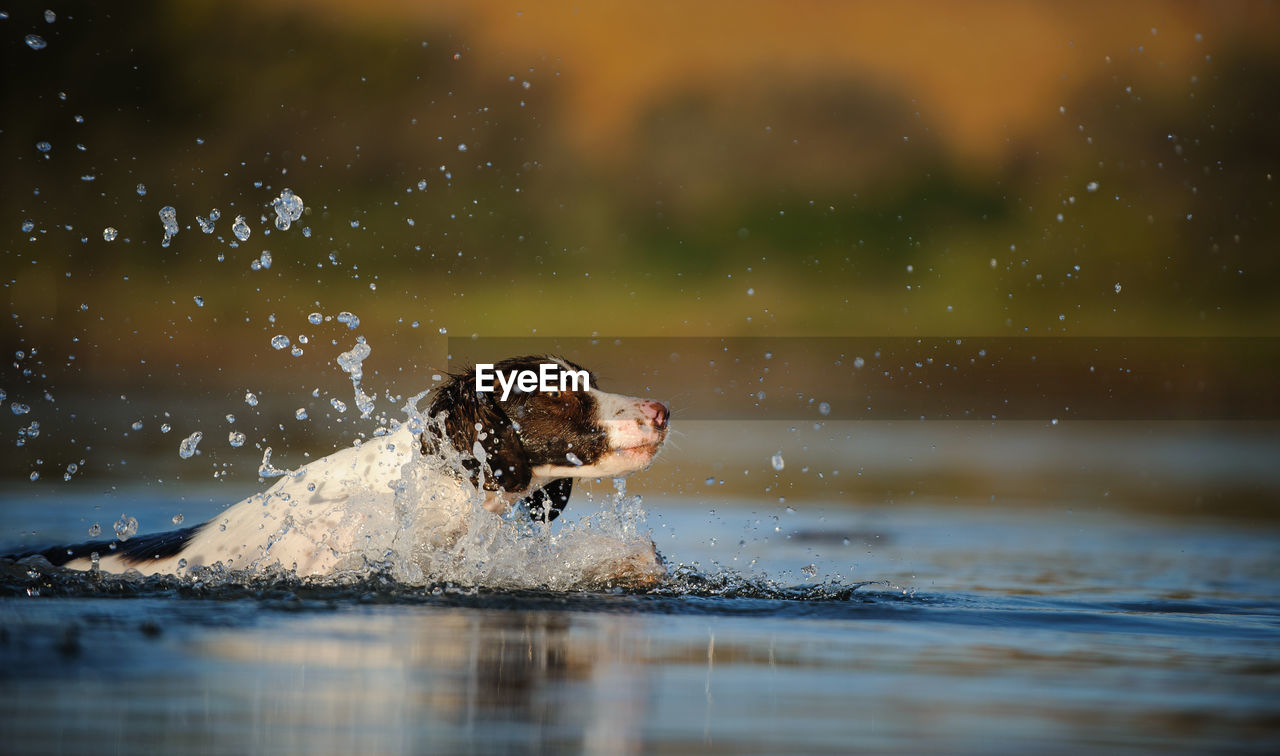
{"x":279,"y":341}
{"x":36,"y":42}
{"x":187,"y":449}
{"x":236,"y":439}
{"x":240,"y":228}
{"x":778,"y":462}
{"x":109,"y":234}
{"x":126,"y":527}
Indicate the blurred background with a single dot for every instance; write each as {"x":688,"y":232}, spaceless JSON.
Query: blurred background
{"x":1062,"y":196}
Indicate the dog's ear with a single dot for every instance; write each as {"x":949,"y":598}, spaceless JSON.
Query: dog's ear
{"x":471,"y":416}
{"x":546,"y":503}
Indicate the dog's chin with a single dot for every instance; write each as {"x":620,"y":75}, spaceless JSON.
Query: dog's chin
{"x":638,"y":457}
{"x":616,"y":463}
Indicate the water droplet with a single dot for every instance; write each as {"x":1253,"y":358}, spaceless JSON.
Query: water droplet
{"x":279,"y":341}
{"x":199,"y":300}
{"x":44,"y":146}
{"x":349,"y":319}
{"x":422,"y":185}
{"x":300,"y":413}
{"x":50,"y":17}
{"x":187,"y":449}
{"x":250,"y":399}
{"x":462,"y":148}
{"x":109,"y":234}
{"x":236,"y":439}
{"x":573,"y":459}
{"x":858,"y":362}
{"x":338,"y":404}
{"x":18,"y":408}
{"x":264,"y":260}
{"x":126,"y":527}
{"x":169,"y":217}
{"x":28,"y":226}
{"x":165,"y":428}
{"x":142,"y":190}
{"x":1092,"y":186}
{"x":137,"y":425}
{"x":778,"y":462}
{"x":240,"y":229}
{"x":296,"y":351}
{"x":315,"y":318}
{"x":34,"y":476}
{"x":288,"y":207}
{"x":178,"y":518}
{"x":36,"y":42}
{"x":824,"y":408}
{"x":95,"y":530}
{"x":268,"y":470}
{"x":1117,"y":288}
{"x":809,"y":570}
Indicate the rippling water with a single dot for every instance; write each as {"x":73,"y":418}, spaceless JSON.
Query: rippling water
{"x":981,"y":630}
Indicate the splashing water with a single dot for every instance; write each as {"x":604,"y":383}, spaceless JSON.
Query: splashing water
{"x":350,"y":362}
{"x":240,"y":229}
{"x":169,"y":217}
{"x":268,"y":470}
{"x":288,"y":207}
{"x":187,"y":449}
{"x":126,"y":527}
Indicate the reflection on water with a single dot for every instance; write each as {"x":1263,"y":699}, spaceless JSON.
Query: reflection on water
{"x":1015,"y":631}
{"x":432,"y":679}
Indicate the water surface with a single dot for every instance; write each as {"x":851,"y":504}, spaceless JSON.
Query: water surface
{"x":986,"y":630}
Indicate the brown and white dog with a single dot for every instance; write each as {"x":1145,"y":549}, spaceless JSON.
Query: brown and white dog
{"x":415,"y":489}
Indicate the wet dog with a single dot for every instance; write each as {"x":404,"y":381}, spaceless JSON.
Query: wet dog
{"x":415,"y":489}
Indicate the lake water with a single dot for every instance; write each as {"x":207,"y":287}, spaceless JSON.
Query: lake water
{"x":989,"y":630}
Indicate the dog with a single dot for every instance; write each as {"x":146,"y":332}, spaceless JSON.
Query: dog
{"x":417,"y":490}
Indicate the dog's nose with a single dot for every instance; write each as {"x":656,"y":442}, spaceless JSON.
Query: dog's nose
{"x":657,"y":413}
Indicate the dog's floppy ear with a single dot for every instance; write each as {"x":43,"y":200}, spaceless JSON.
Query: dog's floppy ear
{"x":470,"y":416}
{"x":547,"y":502}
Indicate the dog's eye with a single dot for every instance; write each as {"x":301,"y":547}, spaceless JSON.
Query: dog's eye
{"x":553,"y":394}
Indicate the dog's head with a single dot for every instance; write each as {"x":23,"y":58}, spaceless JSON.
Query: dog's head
{"x":529,"y":436}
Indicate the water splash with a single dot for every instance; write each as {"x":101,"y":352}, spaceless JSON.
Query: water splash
{"x":169,"y":217}
{"x":240,"y":229}
{"x":187,"y":449}
{"x":126,"y":527}
{"x":268,"y":470}
{"x":350,"y":362}
{"x":288,"y":207}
